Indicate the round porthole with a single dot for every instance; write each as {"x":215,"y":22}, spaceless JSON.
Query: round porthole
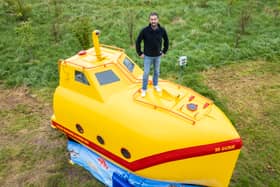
{"x":79,"y":128}
{"x":100,"y":140}
{"x":125,"y":153}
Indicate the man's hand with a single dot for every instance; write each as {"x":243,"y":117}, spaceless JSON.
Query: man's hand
{"x":142,"y":56}
{"x":162,"y":54}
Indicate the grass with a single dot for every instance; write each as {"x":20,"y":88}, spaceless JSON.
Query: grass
{"x":207,"y":31}
{"x":202,"y":30}
{"x":251,"y":91}
{"x":31,"y":153}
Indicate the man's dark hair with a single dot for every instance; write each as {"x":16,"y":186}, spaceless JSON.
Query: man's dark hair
{"x":153,"y":14}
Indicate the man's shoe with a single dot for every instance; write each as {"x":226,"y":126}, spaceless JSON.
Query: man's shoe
{"x":157,"y":88}
{"x":143,"y":93}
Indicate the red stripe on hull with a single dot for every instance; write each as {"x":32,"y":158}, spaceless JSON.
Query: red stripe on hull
{"x":160,"y":158}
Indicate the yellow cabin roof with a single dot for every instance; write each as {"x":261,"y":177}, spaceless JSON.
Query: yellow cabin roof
{"x":87,"y":58}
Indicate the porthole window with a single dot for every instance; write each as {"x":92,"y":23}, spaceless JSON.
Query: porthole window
{"x":79,"y":128}
{"x":80,"y":77}
{"x":125,"y":153}
{"x":129,"y":65}
{"x":100,"y":140}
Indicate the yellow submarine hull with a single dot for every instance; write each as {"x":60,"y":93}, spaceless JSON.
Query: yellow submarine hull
{"x":174,"y":135}
{"x":164,"y":145}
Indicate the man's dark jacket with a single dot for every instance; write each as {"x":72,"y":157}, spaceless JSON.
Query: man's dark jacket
{"x":152,"y":41}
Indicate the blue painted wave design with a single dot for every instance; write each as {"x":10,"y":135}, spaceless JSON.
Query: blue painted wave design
{"x":104,"y":170}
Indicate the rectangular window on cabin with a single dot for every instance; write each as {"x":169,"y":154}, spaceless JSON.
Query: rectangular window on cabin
{"x":106,"y":77}
{"x":129,"y":65}
{"x":80,"y":77}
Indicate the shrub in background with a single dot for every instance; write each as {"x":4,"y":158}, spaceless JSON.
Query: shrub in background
{"x":203,"y":3}
{"x":26,"y":38}
{"x":55,"y":10}
{"x":82,"y":29}
{"x":18,"y":8}
{"x":244,"y":20}
{"x":277,"y":13}
{"x":230,"y":6}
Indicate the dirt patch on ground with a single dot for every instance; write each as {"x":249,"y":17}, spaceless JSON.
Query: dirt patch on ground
{"x":27,"y":139}
{"x":31,"y":152}
{"x":11,"y":98}
{"x":248,"y":88}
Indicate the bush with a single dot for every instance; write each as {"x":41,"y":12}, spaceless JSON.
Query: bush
{"x":26,"y":37}
{"x":18,"y":8}
{"x":244,"y":20}
{"x":82,"y":30}
{"x":55,"y":10}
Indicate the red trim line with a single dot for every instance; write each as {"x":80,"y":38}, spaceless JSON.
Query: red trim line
{"x":160,"y":158}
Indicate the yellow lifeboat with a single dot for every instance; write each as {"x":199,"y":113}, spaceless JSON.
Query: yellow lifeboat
{"x":173,"y":135}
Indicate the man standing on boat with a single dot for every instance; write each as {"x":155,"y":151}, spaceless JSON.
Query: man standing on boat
{"x":152,"y":36}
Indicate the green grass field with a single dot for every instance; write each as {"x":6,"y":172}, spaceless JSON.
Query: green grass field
{"x":233,"y":50}
{"x":251,"y":93}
